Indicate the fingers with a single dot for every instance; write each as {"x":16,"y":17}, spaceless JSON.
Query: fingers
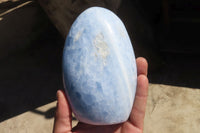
{"x":63,"y":117}
{"x":138,"y":110}
{"x":142,"y":66}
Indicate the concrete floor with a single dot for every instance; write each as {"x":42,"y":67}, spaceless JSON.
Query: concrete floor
{"x":39,"y":120}
{"x":35,"y":121}
{"x":172,"y":109}
{"x":169,"y":109}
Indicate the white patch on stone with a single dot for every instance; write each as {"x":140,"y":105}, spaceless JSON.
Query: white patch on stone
{"x":101,"y":47}
{"x":77,"y":36}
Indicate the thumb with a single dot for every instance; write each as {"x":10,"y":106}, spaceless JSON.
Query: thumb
{"x":63,"y":117}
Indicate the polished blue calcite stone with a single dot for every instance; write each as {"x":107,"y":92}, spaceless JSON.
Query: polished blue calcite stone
{"x":99,"y":68}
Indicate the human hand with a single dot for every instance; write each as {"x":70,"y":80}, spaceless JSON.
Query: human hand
{"x":63,"y":117}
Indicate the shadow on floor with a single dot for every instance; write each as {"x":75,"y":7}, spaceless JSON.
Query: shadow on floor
{"x":48,"y":114}
{"x":178,"y":70}
{"x":30,"y":59}
{"x":30,"y":78}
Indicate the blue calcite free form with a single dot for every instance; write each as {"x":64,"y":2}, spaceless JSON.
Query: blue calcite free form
{"x":99,"y":68}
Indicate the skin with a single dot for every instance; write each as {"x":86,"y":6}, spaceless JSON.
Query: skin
{"x":135,"y":123}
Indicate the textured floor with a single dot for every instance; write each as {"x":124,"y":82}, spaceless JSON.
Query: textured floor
{"x":39,"y":120}
{"x":169,"y":109}
{"x":172,"y":109}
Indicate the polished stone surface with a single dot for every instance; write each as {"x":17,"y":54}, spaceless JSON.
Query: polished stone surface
{"x":99,"y":68}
